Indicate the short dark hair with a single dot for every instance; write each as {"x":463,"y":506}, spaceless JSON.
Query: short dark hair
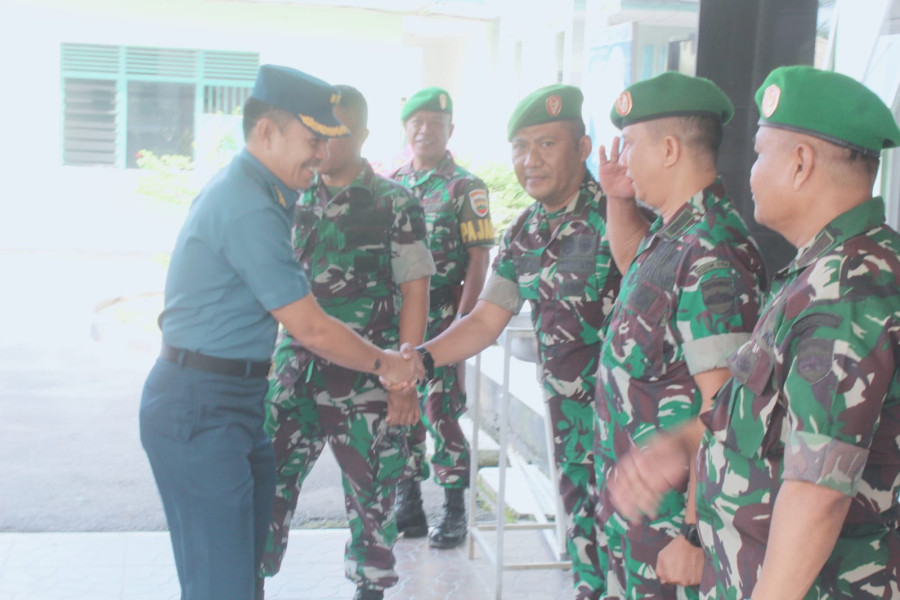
{"x":697,"y":132}
{"x":254,"y":110}
{"x":353,"y":100}
{"x":577,"y":128}
{"x":853,"y":161}
{"x":702,"y":132}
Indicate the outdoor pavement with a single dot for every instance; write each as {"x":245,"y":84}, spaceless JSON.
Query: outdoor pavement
{"x":139,"y":566}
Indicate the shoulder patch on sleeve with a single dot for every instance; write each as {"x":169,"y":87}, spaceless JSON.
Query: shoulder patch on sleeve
{"x":478,"y":200}
{"x":815,"y":357}
{"x":718,"y":295}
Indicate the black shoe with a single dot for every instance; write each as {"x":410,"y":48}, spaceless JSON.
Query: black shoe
{"x":452,"y":529}
{"x":411,"y":520}
{"x":364,"y":593}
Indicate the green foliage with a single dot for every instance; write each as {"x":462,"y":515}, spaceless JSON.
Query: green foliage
{"x":168,"y":178}
{"x":508,"y":199}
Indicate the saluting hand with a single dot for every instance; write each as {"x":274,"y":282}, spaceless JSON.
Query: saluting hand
{"x":644,"y":474}
{"x":612,"y":175}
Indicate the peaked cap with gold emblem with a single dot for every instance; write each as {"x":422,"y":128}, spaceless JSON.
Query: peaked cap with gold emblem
{"x":827,"y":105}
{"x":555,"y":102}
{"x":671,"y":94}
{"x":430,"y":98}
{"x":309,"y":99}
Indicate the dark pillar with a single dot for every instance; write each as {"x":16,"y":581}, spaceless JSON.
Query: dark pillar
{"x":739,"y":43}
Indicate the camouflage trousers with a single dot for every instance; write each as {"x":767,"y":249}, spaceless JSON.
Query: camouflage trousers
{"x":301,"y":417}
{"x":443,"y":401}
{"x":631,"y":550}
{"x":573,"y":437}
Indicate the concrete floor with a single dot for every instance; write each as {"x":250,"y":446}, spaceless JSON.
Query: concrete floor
{"x":139,"y":565}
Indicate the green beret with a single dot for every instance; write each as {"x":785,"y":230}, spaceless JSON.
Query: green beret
{"x":431,"y":98}
{"x":555,"y":102}
{"x":827,"y":105}
{"x":670,"y":95}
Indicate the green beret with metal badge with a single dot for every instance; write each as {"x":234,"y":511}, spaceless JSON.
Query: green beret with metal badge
{"x":430,"y":98}
{"x":555,"y":102}
{"x":829,"y":106}
{"x":671,"y":94}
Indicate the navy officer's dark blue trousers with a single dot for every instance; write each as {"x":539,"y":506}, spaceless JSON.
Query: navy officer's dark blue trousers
{"x":215,"y":470}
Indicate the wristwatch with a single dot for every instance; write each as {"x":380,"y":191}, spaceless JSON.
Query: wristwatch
{"x":690,"y":533}
{"x":427,"y":362}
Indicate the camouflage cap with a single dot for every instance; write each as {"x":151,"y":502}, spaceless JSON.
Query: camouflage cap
{"x":430,"y":98}
{"x":555,"y":102}
{"x":309,"y":99}
{"x":829,"y":106}
{"x":670,"y":95}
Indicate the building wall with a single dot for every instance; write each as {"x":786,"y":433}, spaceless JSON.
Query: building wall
{"x":368,"y":49}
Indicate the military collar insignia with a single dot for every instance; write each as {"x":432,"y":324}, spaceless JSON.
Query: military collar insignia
{"x":684,"y":220}
{"x":820,"y":244}
{"x":849,"y":224}
{"x":278,"y":193}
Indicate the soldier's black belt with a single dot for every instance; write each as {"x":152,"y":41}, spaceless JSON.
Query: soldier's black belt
{"x":212,"y":364}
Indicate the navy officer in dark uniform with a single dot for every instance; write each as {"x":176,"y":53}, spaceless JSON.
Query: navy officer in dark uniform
{"x":231,"y":279}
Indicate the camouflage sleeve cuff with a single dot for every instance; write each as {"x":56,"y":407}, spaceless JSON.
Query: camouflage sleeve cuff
{"x":712,"y":352}
{"x":824,"y":461}
{"x":412,"y":262}
{"x":502,"y":292}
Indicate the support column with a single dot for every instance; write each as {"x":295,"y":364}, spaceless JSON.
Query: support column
{"x":739,"y":43}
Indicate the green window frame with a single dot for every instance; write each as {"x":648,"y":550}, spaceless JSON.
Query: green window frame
{"x":100,"y":82}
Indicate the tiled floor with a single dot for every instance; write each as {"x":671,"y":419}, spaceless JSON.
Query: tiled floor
{"x":139,"y":566}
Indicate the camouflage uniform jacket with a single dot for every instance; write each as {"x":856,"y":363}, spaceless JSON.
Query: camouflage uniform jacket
{"x":815,"y":397}
{"x":689,"y":299}
{"x":357,"y":247}
{"x":457,"y":214}
{"x":567,"y":275}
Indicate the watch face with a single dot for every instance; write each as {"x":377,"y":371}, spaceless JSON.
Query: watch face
{"x":691,"y":534}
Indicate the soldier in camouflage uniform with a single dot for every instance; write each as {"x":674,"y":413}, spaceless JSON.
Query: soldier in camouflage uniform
{"x":557,"y":257}
{"x":361,"y":239}
{"x":460,"y":236}
{"x":812,"y":415}
{"x":689,"y":298}
{"x":798,"y":476}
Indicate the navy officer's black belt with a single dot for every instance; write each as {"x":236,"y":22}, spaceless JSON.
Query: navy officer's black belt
{"x":212,"y":364}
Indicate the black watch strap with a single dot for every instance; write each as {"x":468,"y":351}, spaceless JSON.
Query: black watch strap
{"x":690,"y":533}
{"x":427,"y":362}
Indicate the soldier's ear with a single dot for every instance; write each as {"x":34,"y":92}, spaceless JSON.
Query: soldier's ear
{"x":265,"y":130}
{"x":671,"y":147}
{"x":363,"y":135}
{"x":584,"y":148}
{"x":802,"y":162}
